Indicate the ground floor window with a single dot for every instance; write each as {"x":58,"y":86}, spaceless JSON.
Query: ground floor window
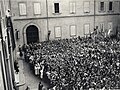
{"x":86,"y":28}
{"x":58,"y":32}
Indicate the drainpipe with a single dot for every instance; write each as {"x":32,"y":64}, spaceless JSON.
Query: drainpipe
{"x":94,"y":12}
{"x":47,"y":17}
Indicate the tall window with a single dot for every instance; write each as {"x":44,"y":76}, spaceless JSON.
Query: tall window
{"x":102,"y":27}
{"x":119,"y":5}
{"x":57,"y":32}
{"x":110,"y":27}
{"x":0,"y":7}
{"x":102,"y":6}
{"x":56,"y":7}
{"x":110,"y":6}
{"x":22,"y":8}
{"x":86,"y":29}
{"x":73,"y":30}
{"x":86,"y":7}
{"x":37,"y":8}
{"x":72,"y":7}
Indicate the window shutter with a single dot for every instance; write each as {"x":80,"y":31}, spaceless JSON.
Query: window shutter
{"x":99,"y":6}
{"x":22,"y":8}
{"x":57,"y":32}
{"x":74,"y":7}
{"x":86,"y":29}
{"x":53,"y":7}
{"x":104,"y":6}
{"x":86,"y":7}
{"x":60,"y":8}
{"x":107,"y":6}
{"x":72,"y":30}
{"x":114,"y":5}
{"x":70,"y":7}
{"x":37,"y":8}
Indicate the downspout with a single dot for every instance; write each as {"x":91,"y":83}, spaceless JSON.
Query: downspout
{"x":94,"y":12}
{"x":47,"y":17}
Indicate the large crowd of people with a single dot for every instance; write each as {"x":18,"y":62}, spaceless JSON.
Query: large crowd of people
{"x":76,"y":63}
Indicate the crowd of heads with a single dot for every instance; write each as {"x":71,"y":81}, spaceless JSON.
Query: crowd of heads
{"x":79,"y":63}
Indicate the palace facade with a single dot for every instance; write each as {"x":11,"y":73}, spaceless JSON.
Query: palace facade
{"x":34,"y":19}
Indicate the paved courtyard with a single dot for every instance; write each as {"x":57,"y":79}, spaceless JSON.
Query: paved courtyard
{"x":27,"y":77}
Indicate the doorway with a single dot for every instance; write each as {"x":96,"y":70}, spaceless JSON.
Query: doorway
{"x":32,"y":34}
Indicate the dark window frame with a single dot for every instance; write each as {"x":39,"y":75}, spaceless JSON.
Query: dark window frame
{"x":57,"y":7}
{"x":110,"y":6}
{"x":102,"y":6}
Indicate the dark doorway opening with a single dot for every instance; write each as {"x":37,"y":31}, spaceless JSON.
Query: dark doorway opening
{"x":32,"y":34}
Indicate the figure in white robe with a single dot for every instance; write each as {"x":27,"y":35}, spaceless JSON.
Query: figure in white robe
{"x":41,"y":72}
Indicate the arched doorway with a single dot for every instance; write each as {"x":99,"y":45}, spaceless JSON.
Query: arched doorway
{"x":32,"y":34}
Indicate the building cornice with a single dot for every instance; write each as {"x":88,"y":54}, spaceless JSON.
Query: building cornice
{"x":52,"y":17}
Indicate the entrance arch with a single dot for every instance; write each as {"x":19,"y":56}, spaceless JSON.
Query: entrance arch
{"x":32,"y":34}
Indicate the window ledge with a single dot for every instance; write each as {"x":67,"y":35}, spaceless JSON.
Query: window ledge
{"x":86,"y":12}
{"x":102,"y":11}
{"x":37,"y":14}
{"x":23,"y":15}
{"x":110,"y":11}
{"x":72,"y":13}
{"x":57,"y":13}
{"x":73,"y":35}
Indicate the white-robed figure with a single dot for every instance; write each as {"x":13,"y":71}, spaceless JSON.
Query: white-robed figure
{"x":38,"y":69}
{"x":41,"y":71}
{"x":35,"y":68}
{"x":109,"y":29}
{"x":109,"y":32}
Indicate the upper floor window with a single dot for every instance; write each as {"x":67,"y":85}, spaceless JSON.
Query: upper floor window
{"x":86,"y":7}
{"x":110,"y":6}
{"x":56,"y":7}
{"x":102,"y":6}
{"x":119,"y":5}
{"x":37,"y":8}
{"x":72,"y":7}
{"x":22,"y":9}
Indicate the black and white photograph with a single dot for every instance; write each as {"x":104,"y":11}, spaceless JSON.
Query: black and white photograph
{"x":59,"y":44}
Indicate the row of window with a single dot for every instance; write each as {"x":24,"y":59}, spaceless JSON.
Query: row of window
{"x":58,"y":31}
{"x":57,"y":7}
{"x":73,"y":29}
{"x":23,"y":8}
{"x":102,"y":6}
